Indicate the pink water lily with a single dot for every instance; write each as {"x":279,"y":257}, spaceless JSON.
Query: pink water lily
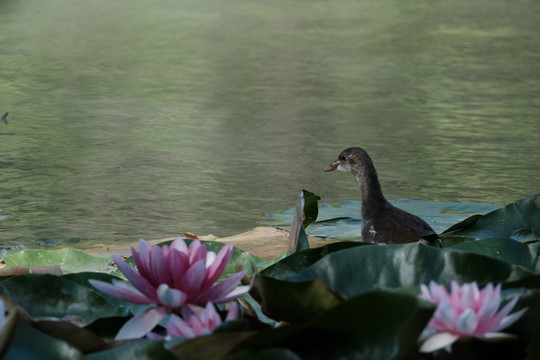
{"x":200,"y":321}
{"x":170,"y":277}
{"x":466,"y":312}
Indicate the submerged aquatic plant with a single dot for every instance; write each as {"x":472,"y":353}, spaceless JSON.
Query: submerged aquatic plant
{"x":466,"y":312}
{"x":200,"y":321}
{"x":171,"y":277}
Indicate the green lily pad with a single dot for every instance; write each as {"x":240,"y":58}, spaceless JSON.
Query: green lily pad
{"x":526,"y":328}
{"x":343,"y":221}
{"x":215,"y":346}
{"x":376,"y":325}
{"x":504,"y":249}
{"x":31,"y":344}
{"x":286,"y":300}
{"x":518,"y":220}
{"x":298,"y":261}
{"x":272,"y":353}
{"x":69,"y":260}
{"x":46,"y":296}
{"x":141,"y":350}
{"x":80,"y":338}
{"x":360,"y":269}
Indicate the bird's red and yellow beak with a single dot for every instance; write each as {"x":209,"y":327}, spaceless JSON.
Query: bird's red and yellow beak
{"x":333,"y":166}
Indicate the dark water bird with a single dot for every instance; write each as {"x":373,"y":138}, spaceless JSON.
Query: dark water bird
{"x":4,"y":118}
{"x":382,"y":222}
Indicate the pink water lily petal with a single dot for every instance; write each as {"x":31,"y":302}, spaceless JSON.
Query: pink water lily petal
{"x":220,"y":292}
{"x":139,"y":265}
{"x":193,"y":278}
{"x":466,"y":322}
{"x":141,"y":324}
{"x":446,"y":317}
{"x":177,"y":327}
{"x":503,"y":320}
{"x":210,"y":317}
{"x":178,"y":263}
{"x":487,"y":313}
{"x":197,"y":252}
{"x":189,"y":310}
{"x":170,"y":297}
{"x":466,"y":312}
{"x":176,"y":276}
{"x":468,"y":298}
{"x":144,"y":265}
{"x":237,"y":292}
{"x":198,"y":326}
{"x":426,"y":294}
{"x":139,"y":282}
{"x":496,"y":336}
{"x":160,"y":266}
{"x":233,"y":312}
{"x":180,"y":245}
{"x":201,"y":321}
{"x":220,"y":263}
{"x":438,"y":341}
{"x":120,"y":292}
{"x":210,"y":258}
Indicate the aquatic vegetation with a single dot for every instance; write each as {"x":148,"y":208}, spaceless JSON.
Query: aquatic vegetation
{"x":344,"y":299}
{"x":466,"y":312}
{"x":200,"y":321}
{"x":170,"y":277}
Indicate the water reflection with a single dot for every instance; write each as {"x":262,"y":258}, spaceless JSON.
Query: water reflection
{"x":148,"y":119}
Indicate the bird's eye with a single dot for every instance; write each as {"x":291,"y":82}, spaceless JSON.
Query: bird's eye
{"x":343,"y":157}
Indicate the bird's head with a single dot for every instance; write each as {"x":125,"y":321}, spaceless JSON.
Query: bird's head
{"x":350,"y":160}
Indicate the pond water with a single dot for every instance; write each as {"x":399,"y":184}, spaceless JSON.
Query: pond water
{"x":136,"y":118}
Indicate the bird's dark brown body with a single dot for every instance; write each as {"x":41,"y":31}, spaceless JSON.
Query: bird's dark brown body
{"x":382,"y":222}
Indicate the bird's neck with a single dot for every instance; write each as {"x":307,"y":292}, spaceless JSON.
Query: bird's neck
{"x":372,"y":197}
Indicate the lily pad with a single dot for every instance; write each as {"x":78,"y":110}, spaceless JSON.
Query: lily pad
{"x":286,"y":300}
{"x":140,"y":350}
{"x":360,"y":269}
{"x":69,"y":260}
{"x":376,"y":325}
{"x":298,"y":261}
{"x":343,"y":221}
{"x":517,"y":220}
{"x":504,"y":249}
{"x":46,"y":296}
{"x":30,"y":343}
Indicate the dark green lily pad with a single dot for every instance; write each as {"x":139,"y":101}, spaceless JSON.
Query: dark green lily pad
{"x":504,"y":249}
{"x":360,"y":269}
{"x":518,"y":220}
{"x":141,"y":350}
{"x":298,"y":261}
{"x":55,"y":297}
{"x":31,"y":344}
{"x":294,"y":301}
{"x":215,"y":346}
{"x":80,"y":338}
{"x":376,"y":325}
